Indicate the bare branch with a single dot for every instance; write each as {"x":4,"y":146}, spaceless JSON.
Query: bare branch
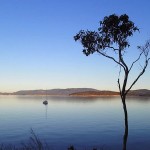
{"x":141,"y":73}
{"x":119,"y":88}
{"x":119,"y":82}
{"x":145,"y":49}
{"x":122,"y":61}
{"x":111,"y":59}
{"x":141,"y":66}
{"x":135,"y":61}
{"x":119,"y":72}
{"x":115,"y":49}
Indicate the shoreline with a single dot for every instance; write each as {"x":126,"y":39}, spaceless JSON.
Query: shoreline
{"x":85,"y":96}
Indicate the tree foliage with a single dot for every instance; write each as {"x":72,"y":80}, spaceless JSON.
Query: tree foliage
{"x":113,"y":30}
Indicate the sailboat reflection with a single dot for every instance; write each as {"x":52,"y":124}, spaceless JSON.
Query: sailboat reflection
{"x":46,"y":108}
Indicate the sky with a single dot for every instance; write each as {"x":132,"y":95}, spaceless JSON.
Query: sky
{"x":37,"y":49}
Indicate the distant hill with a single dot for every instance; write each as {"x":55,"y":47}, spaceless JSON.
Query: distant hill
{"x":53,"y":91}
{"x":78,"y":92}
{"x":5,"y":93}
{"x":95,"y":93}
{"x":140,"y":92}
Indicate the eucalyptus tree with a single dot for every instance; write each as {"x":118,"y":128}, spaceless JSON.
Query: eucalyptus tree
{"x":111,"y":40}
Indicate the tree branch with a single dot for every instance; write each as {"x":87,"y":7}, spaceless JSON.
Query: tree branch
{"x":111,"y":59}
{"x":141,"y":73}
{"x":115,"y":49}
{"x":135,"y":61}
{"x":119,"y":88}
{"x":122,"y":61}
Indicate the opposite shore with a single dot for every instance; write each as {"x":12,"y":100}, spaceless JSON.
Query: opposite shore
{"x":79,"y":92}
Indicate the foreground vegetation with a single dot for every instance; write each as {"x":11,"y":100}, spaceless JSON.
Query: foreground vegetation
{"x":29,"y":147}
{"x":36,"y":144}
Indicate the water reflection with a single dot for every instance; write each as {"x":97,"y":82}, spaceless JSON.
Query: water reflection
{"x":46,"y":108}
{"x":83,"y":122}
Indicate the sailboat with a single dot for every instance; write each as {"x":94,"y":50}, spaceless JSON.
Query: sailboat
{"x":45,"y":102}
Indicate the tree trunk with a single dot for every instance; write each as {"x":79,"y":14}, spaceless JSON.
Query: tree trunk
{"x":125,"y":137}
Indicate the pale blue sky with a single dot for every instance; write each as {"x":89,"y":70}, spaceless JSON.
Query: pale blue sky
{"x":37,"y":50}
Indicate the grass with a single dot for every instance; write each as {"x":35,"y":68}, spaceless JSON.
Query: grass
{"x":36,"y":144}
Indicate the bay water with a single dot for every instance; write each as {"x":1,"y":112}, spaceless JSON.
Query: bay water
{"x":84,"y":122}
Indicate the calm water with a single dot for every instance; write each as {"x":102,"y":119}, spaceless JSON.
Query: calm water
{"x":82,"y":122}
